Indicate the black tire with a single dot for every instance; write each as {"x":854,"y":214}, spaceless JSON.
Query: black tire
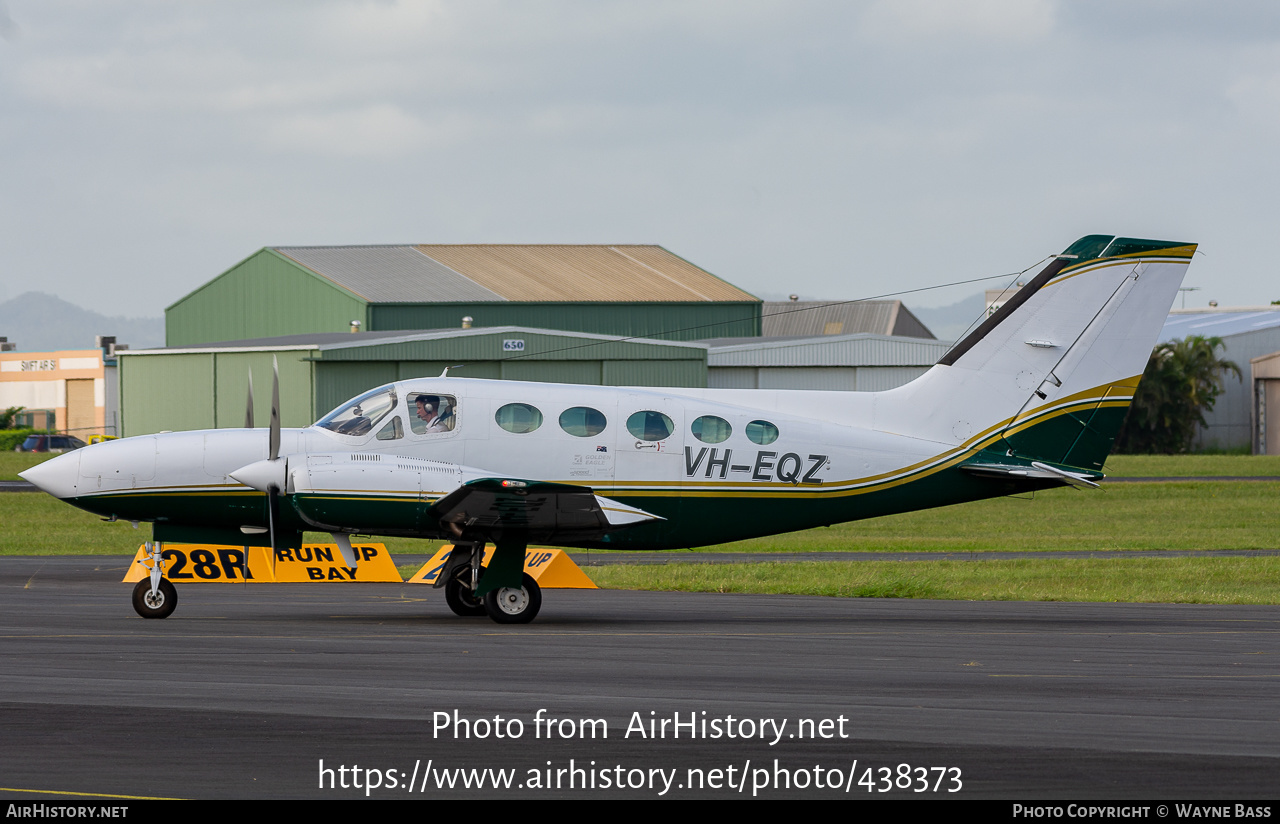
{"x":459,"y":598}
{"x":162,"y":606}
{"x":508,"y":605}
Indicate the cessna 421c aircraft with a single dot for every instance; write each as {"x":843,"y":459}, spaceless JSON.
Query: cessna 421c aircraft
{"x":1032,"y":399}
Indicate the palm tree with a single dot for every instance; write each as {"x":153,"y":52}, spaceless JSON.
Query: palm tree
{"x":1182,"y":381}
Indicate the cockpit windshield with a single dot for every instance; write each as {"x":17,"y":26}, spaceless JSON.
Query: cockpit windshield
{"x":360,"y":416}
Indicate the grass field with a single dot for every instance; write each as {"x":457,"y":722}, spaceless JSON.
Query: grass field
{"x":11,"y":463}
{"x":1146,"y":580}
{"x":1174,"y":466}
{"x":1169,"y":515}
{"x":1165,"y":515}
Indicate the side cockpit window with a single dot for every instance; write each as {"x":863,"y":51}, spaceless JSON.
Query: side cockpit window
{"x":360,"y":416}
{"x":392,"y":430}
{"x":432,"y":414}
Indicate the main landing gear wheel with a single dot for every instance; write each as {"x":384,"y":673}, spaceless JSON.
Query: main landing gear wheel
{"x":508,"y":605}
{"x":160,"y":605}
{"x":459,"y":596}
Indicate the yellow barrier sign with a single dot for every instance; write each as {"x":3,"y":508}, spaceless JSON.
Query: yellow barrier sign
{"x":312,"y":563}
{"x":551,"y":568}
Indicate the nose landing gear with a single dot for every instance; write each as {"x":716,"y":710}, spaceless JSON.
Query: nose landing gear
{"x":158,"y":604}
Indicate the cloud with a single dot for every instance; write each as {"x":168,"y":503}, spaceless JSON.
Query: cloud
{"x":1255,"y":93}
{"x":379,"y":130}
{"x":1006,"y":21}
{"x":380,"y":26}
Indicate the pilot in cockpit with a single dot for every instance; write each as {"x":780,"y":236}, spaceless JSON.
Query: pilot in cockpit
{"x":435,"y":414}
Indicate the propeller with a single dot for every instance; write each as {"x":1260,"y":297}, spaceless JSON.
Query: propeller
{"x":275,"y":410}
{"x":248,"y":424}
{"x":273,"y":456}
{"x":248,"y":411}
{"x":271,"y":476}
{"x":267,"y":476}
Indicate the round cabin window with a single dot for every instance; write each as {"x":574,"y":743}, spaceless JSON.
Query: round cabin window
{"x":650,"y":426}
{"x":762,"y":432}
{"x":519,"y":418}
{"x":710,"y":429}
{"x":583,"y":421}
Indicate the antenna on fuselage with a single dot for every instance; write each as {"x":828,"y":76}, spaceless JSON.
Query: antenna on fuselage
{"x":445,"y":373}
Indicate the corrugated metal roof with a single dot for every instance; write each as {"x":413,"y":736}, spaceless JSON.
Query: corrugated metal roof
{"x":1218,"y":324}
{"x":585,"y":273}
{"x":812,"y":317}
{"x":831,"y":350}
{"x":389,"y":274}
{"x":520,"y":273}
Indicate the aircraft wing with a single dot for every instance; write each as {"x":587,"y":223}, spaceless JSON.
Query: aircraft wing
{"x":539,"y":509}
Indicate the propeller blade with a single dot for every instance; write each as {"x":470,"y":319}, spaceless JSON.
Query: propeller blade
{"x":275,"y":409}
{"x":343,"y":541}
{"x":273,"y":515}
{"x":248,"y":410}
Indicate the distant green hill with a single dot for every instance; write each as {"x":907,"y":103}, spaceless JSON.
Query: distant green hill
{"x":38,"y":322}
{"x":952,"y":322}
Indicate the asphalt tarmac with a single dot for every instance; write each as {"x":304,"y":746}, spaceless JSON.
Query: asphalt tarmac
{"x":245,"y":690}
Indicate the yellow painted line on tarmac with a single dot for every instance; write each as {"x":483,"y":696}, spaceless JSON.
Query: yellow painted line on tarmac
{"x":91,"y":795}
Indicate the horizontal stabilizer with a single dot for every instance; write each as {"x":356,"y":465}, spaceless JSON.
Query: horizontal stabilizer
{"x":1037,"y":469}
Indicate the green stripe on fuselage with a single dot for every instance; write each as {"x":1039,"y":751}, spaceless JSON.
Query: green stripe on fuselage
{"x":694,"y":516}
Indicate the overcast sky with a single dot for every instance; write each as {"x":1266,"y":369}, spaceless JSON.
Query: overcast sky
{"x":834,"y":149}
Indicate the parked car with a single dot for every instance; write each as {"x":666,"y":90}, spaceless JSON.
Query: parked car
{"x":49,"y":443}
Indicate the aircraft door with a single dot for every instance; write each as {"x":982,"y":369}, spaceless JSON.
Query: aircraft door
{"x":650,"y":440}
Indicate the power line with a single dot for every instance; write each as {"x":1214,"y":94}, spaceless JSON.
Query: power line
{"x":1013,"y":275}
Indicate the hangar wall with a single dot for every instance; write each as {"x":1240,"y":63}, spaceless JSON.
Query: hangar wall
{"x":205,"y":388}
{"x":264,"y":295}
{"x":162,"y":391}
{"x":1246,"y":333}
{"x":662,"y":321}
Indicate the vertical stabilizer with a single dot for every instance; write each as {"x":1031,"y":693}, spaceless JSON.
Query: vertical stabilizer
{"x":1050,"y":375}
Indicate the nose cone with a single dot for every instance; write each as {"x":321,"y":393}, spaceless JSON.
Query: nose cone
{"x":263,"y":475}
{"x":57,"y":476}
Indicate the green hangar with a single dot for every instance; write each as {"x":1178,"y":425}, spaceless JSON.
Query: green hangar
{"x":625,"y":290}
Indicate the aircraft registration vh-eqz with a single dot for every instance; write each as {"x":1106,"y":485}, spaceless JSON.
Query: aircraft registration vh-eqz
{"x":1031,"y":399}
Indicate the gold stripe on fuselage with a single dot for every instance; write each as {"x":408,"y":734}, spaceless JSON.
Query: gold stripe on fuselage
{"x":1079,"y":401}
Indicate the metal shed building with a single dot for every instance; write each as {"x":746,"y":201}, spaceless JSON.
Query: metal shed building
{"x":810,"y":318}
{"x":643,"y":291}
{"x":862,"y":362}
{"x":204,"y":387}
{"x":1247,"y":333}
